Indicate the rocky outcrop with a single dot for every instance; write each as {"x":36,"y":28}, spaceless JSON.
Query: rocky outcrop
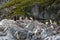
{"x":28,"y":30}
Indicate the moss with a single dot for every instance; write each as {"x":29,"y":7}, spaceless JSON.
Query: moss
{"x":21,"y":4}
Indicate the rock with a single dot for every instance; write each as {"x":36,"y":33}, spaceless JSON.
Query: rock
{"x":28,"y":30}
{"x":53,"y":37}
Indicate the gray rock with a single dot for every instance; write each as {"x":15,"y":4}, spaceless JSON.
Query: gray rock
{"x":27,"y":30}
